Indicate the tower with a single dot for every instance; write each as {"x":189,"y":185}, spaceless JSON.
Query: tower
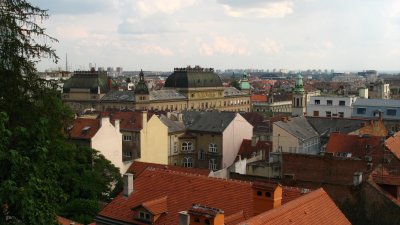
{"x":141,"y":92}
{"x":299,"y":98}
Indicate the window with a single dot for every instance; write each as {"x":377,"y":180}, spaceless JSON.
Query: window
{"x":259,"y":193}
{"x":127,"y":137}
{"x":127,"y":154}
{"x":188,"y":162}
{"x":207,"y":222}
{"x":341,"y":103}
{"x":317,"y":101}
{"x":212,"y":165}
{"x":361,"y":110}
{"x":268,"y":194}
{"x":144,"y":215}
{"x":341,"y":114}
{"x":212,"y":147}
{"x":391,"y":112}
{"x":201,"y":154}
{"x":329,"y":102}
{"x":328,"y":113}
{"x":197,"y":220}
{"x":316,"y":113}
{"x":187,"y":146}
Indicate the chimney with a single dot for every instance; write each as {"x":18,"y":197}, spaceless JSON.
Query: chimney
{"x":254,"y":141}
{"x":357,"y":179}
{"x":116,"y":125}
{"x":128,"y":184}
{"x":200,"y":214}
{"x":284,"y":119}
{"x":184,"y":218}
{"x":266,"y":196}
{"x":104,"y":120}
{"x":109,"y":83}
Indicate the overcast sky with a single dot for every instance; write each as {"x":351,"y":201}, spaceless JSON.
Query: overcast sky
{"x":262,"y":34}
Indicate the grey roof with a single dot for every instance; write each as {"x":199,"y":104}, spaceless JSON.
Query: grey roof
{"x":193,"y":78}
{"x":165,"y":95}
{"x":232,"y":91}
{"x":119,"y":96}
{"x":324,"y":126}
{"x":212,"y":121}
{"x":377,"y":102}
{"x":298,"y":127}
{"x":88,"y":80}
{"x":173,"y":126}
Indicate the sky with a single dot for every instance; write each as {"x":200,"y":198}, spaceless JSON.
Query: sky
{"x":352,"y":35}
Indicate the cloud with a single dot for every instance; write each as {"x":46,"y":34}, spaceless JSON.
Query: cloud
{"x":149,"y":25}
{"x":74,"y":7}
{"x":258,"y":8}
{"x":271,"y":46}
{"x":148,"y":49}
{"x":149,"y":7}
{"x":224,"y":45}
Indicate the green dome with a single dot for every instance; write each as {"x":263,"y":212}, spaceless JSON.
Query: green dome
{"x":141,"y":88}
{"x":244,"y":83}
{"x":193,"y":78}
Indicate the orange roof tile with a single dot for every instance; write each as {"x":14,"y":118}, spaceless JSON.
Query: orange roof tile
{"x":354,"y":144}
{"x":65,"y":221}
{"x":84,"y":128}
{"x":182,"y":190}
{"x":246,"y":149}
{"x":258,"y":98}
{"x":156,"y":206}
{"x":234,"y":218}
{"x":137,"y":168}
{"x":313,"y":208}
{"x":393,"y":144}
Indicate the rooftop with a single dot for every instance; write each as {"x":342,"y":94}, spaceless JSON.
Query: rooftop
{"x":298,"y":127}
{"x":212,"y":121}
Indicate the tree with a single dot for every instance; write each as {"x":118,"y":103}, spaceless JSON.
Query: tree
{"x":39,"y":171}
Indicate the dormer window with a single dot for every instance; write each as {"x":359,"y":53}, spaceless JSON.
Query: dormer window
{"x":144,"y":216}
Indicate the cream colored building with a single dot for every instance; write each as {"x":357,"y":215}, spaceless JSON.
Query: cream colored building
{"x":295,"y":135}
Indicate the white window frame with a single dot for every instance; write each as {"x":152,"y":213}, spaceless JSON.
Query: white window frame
{"x":212,"y":147}
{"x":127,"y":137}
{"x":188,"y":162}
{"x":187,"y":146}
{"x":212,"y":164}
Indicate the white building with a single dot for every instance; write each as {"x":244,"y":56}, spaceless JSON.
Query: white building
{"x":331,"y":106}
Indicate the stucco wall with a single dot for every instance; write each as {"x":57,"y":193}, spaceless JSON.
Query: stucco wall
{"x":233,"y":136}
{"x":282,"y":138}
{"x":108,"y":141}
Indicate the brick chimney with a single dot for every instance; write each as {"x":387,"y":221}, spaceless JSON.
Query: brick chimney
{"x":128,"y":184}
{"x":116,"y":125}
{"x":266,"y":196}
{"x":203,"y":215}
{"x":144,"y":119}
{"x":254,"y":141}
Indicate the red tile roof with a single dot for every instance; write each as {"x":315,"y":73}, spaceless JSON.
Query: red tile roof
{"x":137,"y":168}
{"x":182,"y":190}
{"x":156,"y":206}
{"x":246,"y":149}
{"x":83,"y":128}
{"x":354,"y":144}
{"x":129,"y":120}
{"x":393,"y":144}
{"x":235,"y":218}
{"x":313,"y":208}
{"x":65,"y":221}
{"x":258,"y":98}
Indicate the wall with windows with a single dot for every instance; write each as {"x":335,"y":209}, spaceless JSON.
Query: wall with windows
{"x":283,"y":141}
{"x":330,"y":106}
{"x":389,"y":109}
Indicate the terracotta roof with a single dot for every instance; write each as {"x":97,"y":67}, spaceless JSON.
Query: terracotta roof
{"x":182,"y":190}
{"x":373,"y":128}
{"x":314,"y":208}
{"x":258,"y":98}
{"x":354,"y":144}
{"x":137,"y":168}
{"x":83,"y":128}
{"x":235,"y":218}
{"x":246,"y":149}
{"x":393,"y":144}
{"x":156,"y":206}
{"x":386,"y":179}
{"x":65,"y":221}
{"x":129,"y":120}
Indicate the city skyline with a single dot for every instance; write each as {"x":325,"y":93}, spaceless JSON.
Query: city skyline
{"x":287,"y":34}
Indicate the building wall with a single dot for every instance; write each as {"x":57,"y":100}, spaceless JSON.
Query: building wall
{"x":108,"y":141}
{"x":335,"y":109}
{"x":233,"y":136}
{"x":286,"y":141}
{"x":371,"y":112}
{"x":153,"y":140}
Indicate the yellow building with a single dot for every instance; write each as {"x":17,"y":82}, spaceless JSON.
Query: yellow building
{"x":185,"y":89}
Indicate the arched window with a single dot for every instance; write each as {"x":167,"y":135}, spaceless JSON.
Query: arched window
{"x":187,"y":162}
{"x":187,"y":146}
{"x":212,"y":147}
{"x":212,"y":164}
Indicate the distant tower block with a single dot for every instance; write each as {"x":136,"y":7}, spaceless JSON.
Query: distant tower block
{"x":299,"y":98}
